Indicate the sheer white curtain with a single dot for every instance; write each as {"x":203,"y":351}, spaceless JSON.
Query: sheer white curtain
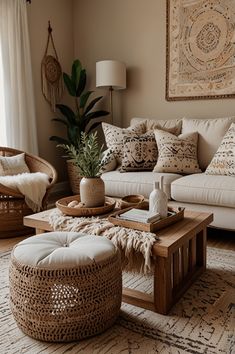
{"x":17,"y":109}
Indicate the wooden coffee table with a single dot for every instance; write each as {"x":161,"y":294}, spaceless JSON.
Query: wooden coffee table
{"x":179,"y":257}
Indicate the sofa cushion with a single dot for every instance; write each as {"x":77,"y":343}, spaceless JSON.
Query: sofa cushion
{"x":139,"y":152}
{"x":109,"y":163}
{"x":211,"y":133}
{"x":174,"y":126}
{"x":119,"y":184}
{"x":223,"y":163}
{"x":205,"y":189}
{"x":114,"y":137}
{"x":176,"y":154}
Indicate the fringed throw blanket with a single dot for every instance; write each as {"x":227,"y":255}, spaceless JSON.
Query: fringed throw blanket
{"x":135,"y":246}
{"x":32,"y":185}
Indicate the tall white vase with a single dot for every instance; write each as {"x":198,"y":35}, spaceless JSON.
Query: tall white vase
{"x":158,"y":200}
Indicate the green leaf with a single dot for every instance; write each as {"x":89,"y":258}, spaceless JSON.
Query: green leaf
{"x":82,"y":83}
{"x":75,"y":74}
{"x":69,"y":85}
{"x":67,"y":113}
{"x":93,"y":126}
{"x":84,"y":98}
{"x":73,"y":136}
{"x":92,"y":103}
{"x":95,"y":114}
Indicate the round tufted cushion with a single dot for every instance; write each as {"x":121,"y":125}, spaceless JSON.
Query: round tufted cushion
{"x":65,"y":285}
{"x":63,"y":249}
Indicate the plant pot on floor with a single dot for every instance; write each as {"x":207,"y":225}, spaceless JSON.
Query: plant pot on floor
{"x":92,"y":192}
{"x":74,"y":177}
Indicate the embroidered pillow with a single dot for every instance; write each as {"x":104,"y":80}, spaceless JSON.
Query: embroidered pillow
{"x":139,"y":153}
{"x":13,"y":165}
{"x":109,"y":162}
{"x":114,"y":137}
{"x":176,"y":154}
{"x":223,"y":162}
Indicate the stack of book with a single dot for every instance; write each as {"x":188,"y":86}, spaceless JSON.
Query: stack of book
{"x":139,"y":215}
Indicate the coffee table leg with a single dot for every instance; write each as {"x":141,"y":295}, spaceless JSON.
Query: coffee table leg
{"x":162,"y":285}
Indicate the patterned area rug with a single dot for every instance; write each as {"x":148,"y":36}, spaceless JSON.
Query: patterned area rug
{"x":203,"y":321}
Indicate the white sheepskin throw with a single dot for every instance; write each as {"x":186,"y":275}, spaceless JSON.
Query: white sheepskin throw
{"x":135,"y":246}
{"x":32,"y":185}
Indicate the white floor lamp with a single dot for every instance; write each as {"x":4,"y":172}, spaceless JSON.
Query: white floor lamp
{"x":112,"y":74}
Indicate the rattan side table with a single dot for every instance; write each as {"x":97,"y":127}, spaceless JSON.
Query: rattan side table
{"x":65,"y":286}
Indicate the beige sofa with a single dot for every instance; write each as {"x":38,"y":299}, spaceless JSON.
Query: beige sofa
{"x":213,"y":193}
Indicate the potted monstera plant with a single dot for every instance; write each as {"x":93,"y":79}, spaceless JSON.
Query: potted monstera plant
{"x":82,"y":118}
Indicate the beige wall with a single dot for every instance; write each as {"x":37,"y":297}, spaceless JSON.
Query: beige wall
{"x":134,"y":31}
{"x":60,"y":13}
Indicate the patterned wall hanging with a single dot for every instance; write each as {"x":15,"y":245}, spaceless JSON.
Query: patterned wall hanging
{"x":51,"y":73}
{"x":200,"y":49}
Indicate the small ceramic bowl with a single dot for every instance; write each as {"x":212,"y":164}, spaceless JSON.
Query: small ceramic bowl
{"x":131,"y":201}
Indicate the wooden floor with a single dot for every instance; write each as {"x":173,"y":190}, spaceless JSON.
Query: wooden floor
{"x":216,"y":238}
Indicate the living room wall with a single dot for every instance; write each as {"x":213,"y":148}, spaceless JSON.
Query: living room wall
{"x":134,"y":31}
{"x":60,"y":13}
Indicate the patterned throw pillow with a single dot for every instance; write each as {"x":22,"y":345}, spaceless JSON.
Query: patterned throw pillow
{"x":176,"y":154}
{"x":223,"y":162}
{"x":140,"y":153}
{"x":114,"y":137}
{"x":13,"y":165}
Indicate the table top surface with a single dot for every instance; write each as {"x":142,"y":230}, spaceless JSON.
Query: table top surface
{"x":193,"y":222}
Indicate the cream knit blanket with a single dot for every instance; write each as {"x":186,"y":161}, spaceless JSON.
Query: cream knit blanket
{"x":32,"y":185}
{"x":135,"y":246}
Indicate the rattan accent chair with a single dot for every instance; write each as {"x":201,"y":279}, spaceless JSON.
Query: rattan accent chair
{"x":12,"y":205}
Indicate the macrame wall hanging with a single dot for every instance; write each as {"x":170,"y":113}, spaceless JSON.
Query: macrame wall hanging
{"x":51,"y":73}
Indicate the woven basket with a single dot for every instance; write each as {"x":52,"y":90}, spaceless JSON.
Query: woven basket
{"x":12,"y":212}
{"x":74,"y":177}
{"x":66,"y":304}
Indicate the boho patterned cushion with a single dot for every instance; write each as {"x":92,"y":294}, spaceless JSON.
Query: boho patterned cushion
{"x":140,"y":153}
{"x":223,"y":162}
{"x":176,"y":154}
{"x":13,"y":165}
{"x":114,"y":137}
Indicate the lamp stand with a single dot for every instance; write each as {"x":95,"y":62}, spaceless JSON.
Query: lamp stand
{"x":111,"y":102}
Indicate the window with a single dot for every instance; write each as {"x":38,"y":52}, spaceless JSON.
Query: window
{"x":2,"y":106}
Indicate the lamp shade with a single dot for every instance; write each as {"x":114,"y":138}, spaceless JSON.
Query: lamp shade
{"x":111,"y":73}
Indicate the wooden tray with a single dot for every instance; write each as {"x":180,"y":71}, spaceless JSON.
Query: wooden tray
{"x":62,"y":204}
{"x":175,"y":214}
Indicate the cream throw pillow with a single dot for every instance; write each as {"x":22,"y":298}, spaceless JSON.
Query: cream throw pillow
{"x":176,"y":154}
{"x":223,"y":163}
{"x":210,"y":136}
{"x":171,"y":126}
{"x":13,"y":165}
{"x":114,"y":137}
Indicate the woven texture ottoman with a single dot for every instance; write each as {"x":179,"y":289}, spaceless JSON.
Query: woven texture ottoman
{"x":65,"y":286}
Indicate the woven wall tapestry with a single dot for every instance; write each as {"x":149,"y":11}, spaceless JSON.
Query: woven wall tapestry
{"x":51,"y":74}
{"x":200,"y":49}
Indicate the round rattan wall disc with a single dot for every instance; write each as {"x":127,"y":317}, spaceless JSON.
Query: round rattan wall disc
{"x":52,"y":69}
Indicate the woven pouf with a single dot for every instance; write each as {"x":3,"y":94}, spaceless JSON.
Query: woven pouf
{"x":65,"y":286}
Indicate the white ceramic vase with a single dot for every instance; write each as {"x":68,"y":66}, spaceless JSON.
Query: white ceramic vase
{"x":92,"y":192}
{"x":158,"y":200}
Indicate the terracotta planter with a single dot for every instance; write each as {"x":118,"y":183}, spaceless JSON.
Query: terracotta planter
{"x":92,"y":192}
{"x":74,"y":177}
